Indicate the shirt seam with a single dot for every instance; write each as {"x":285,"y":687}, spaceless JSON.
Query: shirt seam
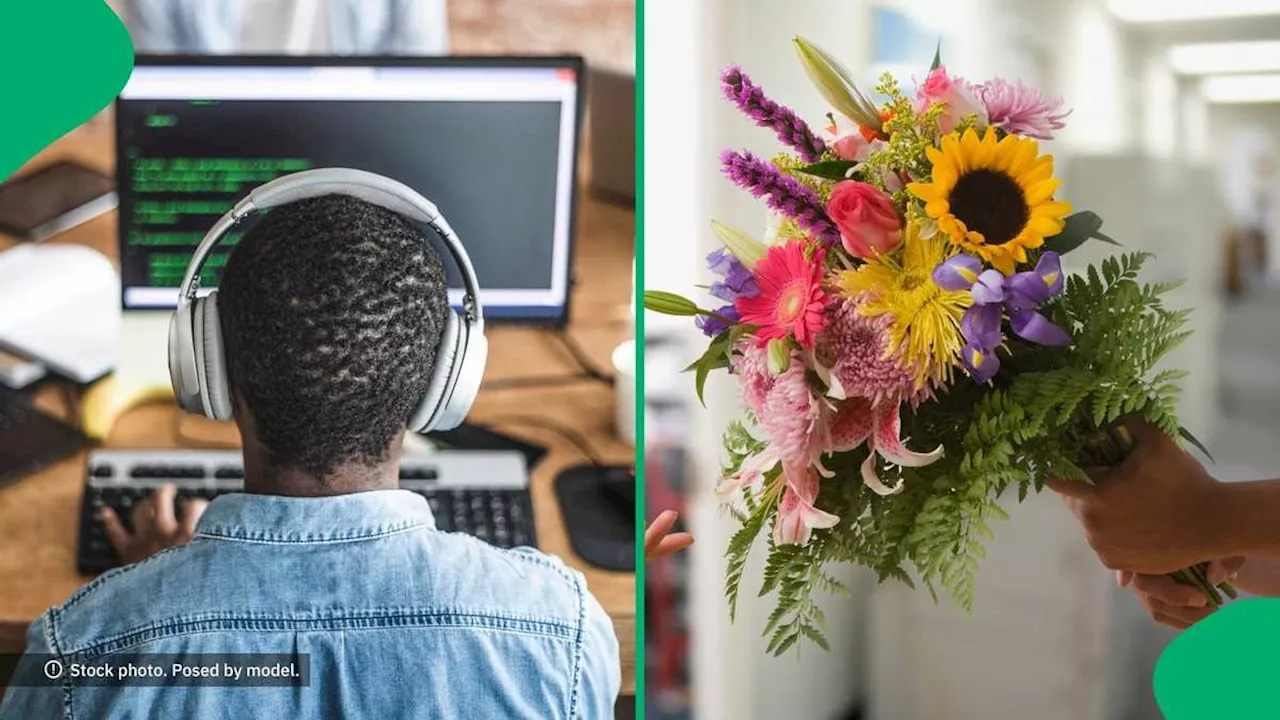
{"x":51,"y":637}
{"x":219,"y":533}
{"x":577,"y":649}
{"x":537,"y":627}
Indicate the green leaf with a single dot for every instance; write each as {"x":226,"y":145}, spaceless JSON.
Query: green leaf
{"x":830,"y":169}
{"x":669,"y":303}
{"x":937,"y":57}
{"x":715,"y":358}
{"x":1079,"y":228}
{"x":1186,"y":435}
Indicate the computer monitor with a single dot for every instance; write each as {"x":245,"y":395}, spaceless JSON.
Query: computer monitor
{"x":492,"y":142}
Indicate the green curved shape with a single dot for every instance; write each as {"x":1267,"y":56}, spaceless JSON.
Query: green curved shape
{"x":1225,"y":667}
{"x":61,"y":61}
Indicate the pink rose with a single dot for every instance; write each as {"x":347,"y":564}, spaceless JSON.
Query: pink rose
{"x":956,"y":94}
{"x":869,"y":225}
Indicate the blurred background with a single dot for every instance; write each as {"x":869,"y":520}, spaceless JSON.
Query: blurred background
{"x":1172,"y":140}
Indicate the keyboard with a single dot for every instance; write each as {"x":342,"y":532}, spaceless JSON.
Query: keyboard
{"x":481,"y":493}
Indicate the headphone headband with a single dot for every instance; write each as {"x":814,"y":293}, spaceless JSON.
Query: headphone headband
{"x":370,"y":187}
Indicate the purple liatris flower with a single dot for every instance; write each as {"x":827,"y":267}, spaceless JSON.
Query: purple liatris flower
{"x":752,"y":101}
{"x":712,"y":326}
{"x":1020,"y":110}
{"x":737,"y":279}
{"x":783,"y":194}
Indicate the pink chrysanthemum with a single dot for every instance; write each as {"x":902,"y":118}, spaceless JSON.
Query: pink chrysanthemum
{"x":751,"y":366}
{"x":1019,"y":109}
{"x":791,"y":300}
{"x":857,"y":349}
{"x":792,"y":417}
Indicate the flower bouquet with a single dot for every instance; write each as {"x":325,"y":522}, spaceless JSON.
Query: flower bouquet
{"x":907,"y":346}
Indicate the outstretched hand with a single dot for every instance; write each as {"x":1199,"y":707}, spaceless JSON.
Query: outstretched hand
{"x":658,"y":543}
{"x":1170,"y":602}
{"x":1153,"y":513}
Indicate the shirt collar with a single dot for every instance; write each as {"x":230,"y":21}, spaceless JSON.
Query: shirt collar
{"x":336,"y":518}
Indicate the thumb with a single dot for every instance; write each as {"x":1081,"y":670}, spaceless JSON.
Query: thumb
{"x":1222,"y":570}
{"x":1146,"y":434}
{"x":1070,"y":488}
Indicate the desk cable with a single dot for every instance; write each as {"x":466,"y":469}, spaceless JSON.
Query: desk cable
{"x":587,"y":371}
{"x":575,"y":438}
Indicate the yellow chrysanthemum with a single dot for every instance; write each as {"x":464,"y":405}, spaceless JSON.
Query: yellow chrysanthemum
{"x":993,"y":198}
{"x":926,"y":318}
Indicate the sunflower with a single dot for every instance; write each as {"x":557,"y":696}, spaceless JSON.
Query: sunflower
{"x":992,"y":198}
{"x":926,"y":319}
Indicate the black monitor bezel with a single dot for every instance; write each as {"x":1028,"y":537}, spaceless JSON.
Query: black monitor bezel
{"x":570,"y":62}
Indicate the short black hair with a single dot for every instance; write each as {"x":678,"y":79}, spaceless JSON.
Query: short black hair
{"x":331,"y":311}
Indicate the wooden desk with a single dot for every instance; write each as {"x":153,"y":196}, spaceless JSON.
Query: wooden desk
{"x":39,"y":514}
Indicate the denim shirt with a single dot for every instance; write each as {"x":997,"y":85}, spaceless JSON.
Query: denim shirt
{"x":399,"y":620}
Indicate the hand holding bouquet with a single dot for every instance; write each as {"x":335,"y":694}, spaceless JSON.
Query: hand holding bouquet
{"x":906,"y":343}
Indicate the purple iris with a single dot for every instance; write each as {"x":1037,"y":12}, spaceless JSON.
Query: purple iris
{"x":712,"y":326}
{"x":995,"y":294}
{"x":737,"y":280}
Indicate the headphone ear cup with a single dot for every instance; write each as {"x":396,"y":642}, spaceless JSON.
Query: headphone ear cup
{"x":424,"y":417}
{"x":468,"y":374}
{"x":214,"y":386}
{"x":182,"y":360}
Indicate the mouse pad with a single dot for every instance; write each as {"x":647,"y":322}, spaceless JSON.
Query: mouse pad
{"x":599,"y":509}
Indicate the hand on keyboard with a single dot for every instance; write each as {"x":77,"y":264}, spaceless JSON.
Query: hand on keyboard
{"x":156,"y":526}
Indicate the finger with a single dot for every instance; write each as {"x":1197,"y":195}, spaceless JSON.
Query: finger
{"x":191,"y":512}
{"x":144,"y":517}
{"x":659,"y":528}
{"x":116,"y":533}
{"x":1145,"y":434}
{"x":163,"y":500}
{"x":1070,"y":488}
{"x":672,"y":544}
{"x":1169,"y":591}
{"x":1189,"y":615}
{"x":1221,"y":571}
{"x":1124,"y":577}
{"x":1170,"y":621}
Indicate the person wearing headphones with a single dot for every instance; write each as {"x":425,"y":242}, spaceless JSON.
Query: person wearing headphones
{"x":329,"y":338}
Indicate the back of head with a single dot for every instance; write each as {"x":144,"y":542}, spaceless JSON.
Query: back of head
{"x":331,"y":312}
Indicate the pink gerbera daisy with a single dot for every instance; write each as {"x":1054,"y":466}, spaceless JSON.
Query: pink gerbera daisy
{"x":791,"y":300}
{"x":1020,"y":109}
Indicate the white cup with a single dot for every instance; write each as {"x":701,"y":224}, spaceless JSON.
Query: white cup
{"x":624,"y":388}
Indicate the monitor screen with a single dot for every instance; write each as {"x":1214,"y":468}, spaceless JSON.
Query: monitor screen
{"x":492,"y":143}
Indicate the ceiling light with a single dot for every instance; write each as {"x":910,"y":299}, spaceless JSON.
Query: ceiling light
{"x":1242,"y":88}
{"x":1232,"y":57}
{"x":1172,"y":10}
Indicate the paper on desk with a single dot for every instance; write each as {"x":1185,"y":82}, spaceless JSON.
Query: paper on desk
{"x":60,"y":305}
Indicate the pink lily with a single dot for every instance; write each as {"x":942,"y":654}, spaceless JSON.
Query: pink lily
{"x":880,"y":427}
{"x":750,"y":473}
{"x":797,"y":516}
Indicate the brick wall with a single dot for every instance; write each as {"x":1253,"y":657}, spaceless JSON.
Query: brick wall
{"x":603,"y":31}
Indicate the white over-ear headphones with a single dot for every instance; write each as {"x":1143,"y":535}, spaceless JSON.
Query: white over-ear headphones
{"x":197,"y":366}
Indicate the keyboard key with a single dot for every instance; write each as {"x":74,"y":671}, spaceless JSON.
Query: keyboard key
{"x":102,"y":470}
{"x":229,"y":472}
{"x":418,"y":473}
